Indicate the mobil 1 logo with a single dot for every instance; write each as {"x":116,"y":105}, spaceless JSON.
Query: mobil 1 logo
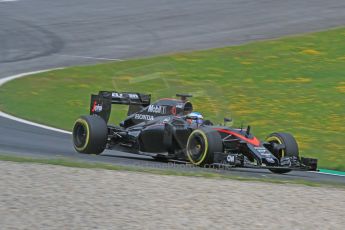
{"x":157,"y":109}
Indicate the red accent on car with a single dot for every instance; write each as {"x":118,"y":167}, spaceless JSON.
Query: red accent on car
{"x":94,"y":106}
{"x":254,"y":141}
{"x":173,"y":110}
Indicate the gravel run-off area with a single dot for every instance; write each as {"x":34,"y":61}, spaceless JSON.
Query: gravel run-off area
{"x":36,"y":196}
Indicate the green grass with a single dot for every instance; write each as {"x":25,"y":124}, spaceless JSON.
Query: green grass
{"x":158,"y":171}
{"x":295,"y":84}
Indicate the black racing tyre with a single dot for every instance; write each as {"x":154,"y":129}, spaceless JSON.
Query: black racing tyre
{"x":90,"y":134}
{"x":202,"y":144}
{"x":290,"y":149}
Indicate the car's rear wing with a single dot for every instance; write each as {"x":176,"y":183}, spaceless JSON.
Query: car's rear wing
{"x":101,"y":103}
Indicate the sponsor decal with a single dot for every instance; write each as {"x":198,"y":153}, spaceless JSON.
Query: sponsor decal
{"x":117,"y":95}
{"x":121,"y":95}
{"x":230,"y":158}
{"x":96,"y":107}
{"x":143,"y":117}
{"x":157,"y":109}
{"x":133,"y":96}
{"x":263,"y":151}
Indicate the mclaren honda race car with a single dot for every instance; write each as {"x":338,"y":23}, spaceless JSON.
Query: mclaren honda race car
{"x":169,"y":129}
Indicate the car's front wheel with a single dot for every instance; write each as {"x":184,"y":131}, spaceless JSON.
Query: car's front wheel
{"x":90,"y":134}
{"x":202,"y":144}
{"x":290,"y":148}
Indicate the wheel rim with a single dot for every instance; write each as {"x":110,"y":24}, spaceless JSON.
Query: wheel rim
{"x":276,"y":140}
{"x":197,"y":147}
{"x":80,"y":135}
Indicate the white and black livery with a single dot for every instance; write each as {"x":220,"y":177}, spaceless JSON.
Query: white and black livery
{"x":169,"y":129}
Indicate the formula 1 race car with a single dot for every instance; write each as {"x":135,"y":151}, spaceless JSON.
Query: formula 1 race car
{"x":169,"y":129}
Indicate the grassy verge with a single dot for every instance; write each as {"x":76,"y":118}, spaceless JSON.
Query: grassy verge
{"x":294,"y":84}
{"x":213,"y":175}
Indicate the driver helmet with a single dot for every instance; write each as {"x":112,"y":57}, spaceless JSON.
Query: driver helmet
{"x":194,"y":118}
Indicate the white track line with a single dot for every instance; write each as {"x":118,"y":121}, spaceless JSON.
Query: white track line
{"x":5,"y":115}
{"x":10,"y":78}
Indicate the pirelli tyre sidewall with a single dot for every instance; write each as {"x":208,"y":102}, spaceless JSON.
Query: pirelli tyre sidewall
{"x":201,"y":145}
{"x":290,"y":149}
{"x":90,"y":134}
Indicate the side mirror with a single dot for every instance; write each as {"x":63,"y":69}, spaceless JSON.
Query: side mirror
{"x":248,"y":130}
{"x":226,"y":120}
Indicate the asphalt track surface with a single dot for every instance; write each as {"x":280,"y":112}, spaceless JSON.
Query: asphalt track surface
{"x":43,"y":34}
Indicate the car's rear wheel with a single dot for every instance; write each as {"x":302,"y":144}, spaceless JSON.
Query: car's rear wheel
{"x":90,"y":134}
{"x":202,"y":144}
{"x":290,"y":148}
